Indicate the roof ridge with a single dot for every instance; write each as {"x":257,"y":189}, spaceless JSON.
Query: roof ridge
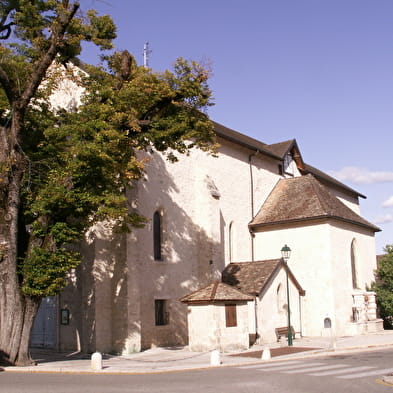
{"x":278,"y":143}
{"x":259,"y":261}
{"x":214,"y":289}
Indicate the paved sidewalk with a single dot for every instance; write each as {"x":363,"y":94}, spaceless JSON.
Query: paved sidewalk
{"x":180,"y":358}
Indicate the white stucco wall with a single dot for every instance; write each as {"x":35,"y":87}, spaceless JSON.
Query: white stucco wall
{"x":342,"y":236}
{"x":68,"y":92}
{"x":196,"y":228}
{"x":321,"y":262}
{"x":272,"y":309}
{"x":349,"y":200}
{"x":208,"y":331}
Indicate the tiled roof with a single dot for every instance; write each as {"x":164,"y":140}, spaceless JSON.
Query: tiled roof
{"x":304,"y":198}
{"x":277,"y":151}
{"x":216,"y":292}
{"x":252,"y":277}
{"x":281,"y":148}
{"x":249,"y":277}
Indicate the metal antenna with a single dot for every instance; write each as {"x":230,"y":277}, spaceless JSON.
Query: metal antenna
{"x":146,"y":54}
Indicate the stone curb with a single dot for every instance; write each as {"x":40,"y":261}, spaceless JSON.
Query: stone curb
{"x":116,"y":370}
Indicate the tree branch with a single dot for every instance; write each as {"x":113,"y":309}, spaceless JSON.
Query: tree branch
{"x":42,"y":64}
{"x":3,"y":26}
{"x":8,"y":30}
{"x":8,"y":85}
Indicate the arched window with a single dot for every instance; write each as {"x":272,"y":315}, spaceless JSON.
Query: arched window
{"x":157,"y":235}
{"x":280,"y":298}
{"x":231,"y":245}
{"x":355,"y":279}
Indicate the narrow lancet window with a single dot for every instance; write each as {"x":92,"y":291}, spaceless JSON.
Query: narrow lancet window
{"x":157,"y":236}
{"x":355,"y":281}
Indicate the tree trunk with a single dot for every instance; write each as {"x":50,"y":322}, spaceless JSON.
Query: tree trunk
{"x":17,"y":317}
{"x":17,"y":311}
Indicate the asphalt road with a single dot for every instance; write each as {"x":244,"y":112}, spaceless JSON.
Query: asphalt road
{"x":358,"y":372}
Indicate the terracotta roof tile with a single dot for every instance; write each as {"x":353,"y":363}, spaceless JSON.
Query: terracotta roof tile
{"x":253,"y":277}
{"x":304,"y":198}
{"x":250,"y":277}
{"x":216,"y":292}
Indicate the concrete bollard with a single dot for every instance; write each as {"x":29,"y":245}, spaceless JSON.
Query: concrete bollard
{"x":266,"y":354}
{"x":96,"y":361}
{"x":215,"y":358}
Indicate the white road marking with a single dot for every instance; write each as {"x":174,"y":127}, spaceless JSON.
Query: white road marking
{"x":367,"y":373}
{"x":342,"y":371}
{"x":290,"y":367}
{"x":317,"y":369}
{"x":275,"y":364}
{"x":311,"y":369}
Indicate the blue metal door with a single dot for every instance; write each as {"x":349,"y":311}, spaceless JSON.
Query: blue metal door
{"x":43,"y":334}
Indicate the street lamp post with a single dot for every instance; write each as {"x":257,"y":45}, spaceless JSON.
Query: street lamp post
{"x":286,"y":253}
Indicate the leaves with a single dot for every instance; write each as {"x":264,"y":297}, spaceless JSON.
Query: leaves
{"x":77,"y":165}
{"x":384,"y":285}
{"x":45,"y":272}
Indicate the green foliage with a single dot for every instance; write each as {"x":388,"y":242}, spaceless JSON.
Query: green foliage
{"x":34,"y":20}
{"x":384,"y":286}
{"x":45,"y":271}
{"x":79,"y":164}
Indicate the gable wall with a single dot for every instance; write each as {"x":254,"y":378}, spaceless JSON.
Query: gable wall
{"x":342,"y":235}
{"x":273,"y":305}
{"x":311,"y":265}
{"x":321,"y":262}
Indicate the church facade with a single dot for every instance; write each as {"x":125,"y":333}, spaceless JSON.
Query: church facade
{"x":222,"y":219}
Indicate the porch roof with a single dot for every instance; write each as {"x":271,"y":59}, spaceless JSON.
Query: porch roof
{"x":254,"y":277}
{"x":216,"y":292}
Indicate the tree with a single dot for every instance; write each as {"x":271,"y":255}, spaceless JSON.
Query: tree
{"x":61,"y":172}
{"x":384,"y":287}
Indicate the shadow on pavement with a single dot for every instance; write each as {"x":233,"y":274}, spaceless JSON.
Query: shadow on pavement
{"x":276,"y":352}
{"x":48,"y":356}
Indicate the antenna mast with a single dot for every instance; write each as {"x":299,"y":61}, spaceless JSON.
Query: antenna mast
{"x":146,"y":54}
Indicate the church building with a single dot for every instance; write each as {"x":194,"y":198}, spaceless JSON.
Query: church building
{"x":210,"y":255}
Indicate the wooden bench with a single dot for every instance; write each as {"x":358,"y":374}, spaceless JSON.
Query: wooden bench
{"x":283,"y":331}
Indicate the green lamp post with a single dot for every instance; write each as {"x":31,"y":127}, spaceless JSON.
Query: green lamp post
{"x":286,"y":253}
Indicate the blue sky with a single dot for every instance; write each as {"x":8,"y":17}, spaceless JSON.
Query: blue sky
{"x":320,"y":71}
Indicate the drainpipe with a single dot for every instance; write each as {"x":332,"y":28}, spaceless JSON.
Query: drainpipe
{"x":256,"y":319}
{"x":300,"y":316}
{"x":252,"y":199}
